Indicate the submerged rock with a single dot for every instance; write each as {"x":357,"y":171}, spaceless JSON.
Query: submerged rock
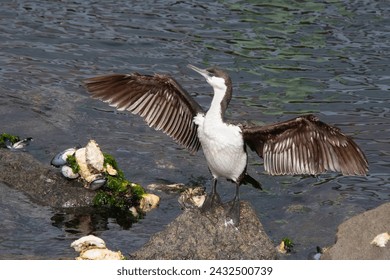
{"x":355,"y":236}
{"x":198,"y":235}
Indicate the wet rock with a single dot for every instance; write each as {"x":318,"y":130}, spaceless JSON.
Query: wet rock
{"x":355,"y":235}
{"x":197,"y":235}
{"x":42,"y":183}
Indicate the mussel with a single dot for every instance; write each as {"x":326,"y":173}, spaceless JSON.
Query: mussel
{"x":60,"y":159}
{"x":96,"y":184}
{"x":67,"y":172}
{"x":18,"y":145}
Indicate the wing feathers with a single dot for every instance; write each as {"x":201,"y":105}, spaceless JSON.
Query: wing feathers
{"x":305,"y":145}
{"x":159,"y":99}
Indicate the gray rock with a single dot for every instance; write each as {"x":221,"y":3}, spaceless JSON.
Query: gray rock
{"x":355,"y":235}
{"x":42,"y":183}
{"x":197,"y":235}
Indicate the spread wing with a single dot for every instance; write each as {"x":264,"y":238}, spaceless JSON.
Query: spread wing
{"x":305,"y":145}
{"x":159,"y":99}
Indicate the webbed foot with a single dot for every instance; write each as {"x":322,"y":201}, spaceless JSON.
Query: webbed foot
{"x":213,"y":200}
{"x":233,"y":213}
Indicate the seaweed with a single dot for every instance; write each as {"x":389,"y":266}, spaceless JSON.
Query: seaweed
{"x":118,"y":193}
{"x":11,"y":138}
{"x":72,"y":162}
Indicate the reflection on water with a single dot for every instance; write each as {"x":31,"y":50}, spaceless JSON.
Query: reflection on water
{"x":328,"y":58}
{"x":85,"y":221}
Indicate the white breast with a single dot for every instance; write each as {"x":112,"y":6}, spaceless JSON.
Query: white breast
{"x":222,"y":146}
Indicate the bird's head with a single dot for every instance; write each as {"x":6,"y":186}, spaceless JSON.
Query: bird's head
{"x":215,"y":77}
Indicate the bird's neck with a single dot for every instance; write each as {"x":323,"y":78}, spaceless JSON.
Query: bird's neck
{"x":217,"y":110}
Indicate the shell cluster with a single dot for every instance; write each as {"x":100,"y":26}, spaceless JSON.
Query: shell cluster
{"x":192,"y":197}
{"x":86,"y":163}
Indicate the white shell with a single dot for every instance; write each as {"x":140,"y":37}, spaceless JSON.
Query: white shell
{"x":90,"y":160}
{"x":100,"y":254}
{"x":68,"y":172}
{"x":18,"y":145}
{"x":94,"y":248}
{"x":60,"y":158}
{"x":94,"y":156}
{"x":86,"y":242}
{"x":192,"y":197}
{"x":82,"y":162}
{"x":111,"y":170}
{"x":85,"y":172}
{"x":148,"y":202}
{"x":381,"y":239}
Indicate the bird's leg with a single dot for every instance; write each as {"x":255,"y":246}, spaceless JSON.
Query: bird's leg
{"x":213,"y":199}
{"x":233,"y":214}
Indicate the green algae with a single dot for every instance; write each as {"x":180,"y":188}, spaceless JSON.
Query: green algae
{"x":118,"y":193}
{"x":5,"y":136}
{"x":72,"y":162}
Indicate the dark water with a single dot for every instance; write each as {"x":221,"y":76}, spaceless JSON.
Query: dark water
{"x":328,"y":57}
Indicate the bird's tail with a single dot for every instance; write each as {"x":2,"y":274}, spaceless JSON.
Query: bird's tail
{"x":248,"y":179}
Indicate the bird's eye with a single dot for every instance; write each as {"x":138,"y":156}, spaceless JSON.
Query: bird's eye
{"x":211,"y":70}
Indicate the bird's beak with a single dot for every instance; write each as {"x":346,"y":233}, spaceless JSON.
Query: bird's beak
{"x":206,"y":74}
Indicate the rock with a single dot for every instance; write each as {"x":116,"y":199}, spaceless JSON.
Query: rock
{"x":88,"y":242}
{"x":197,"y":235}
{"x":42,"y":183}
{"x":354,"y":236}
{"x":91,"y":247}
{"x":148,"y":202}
